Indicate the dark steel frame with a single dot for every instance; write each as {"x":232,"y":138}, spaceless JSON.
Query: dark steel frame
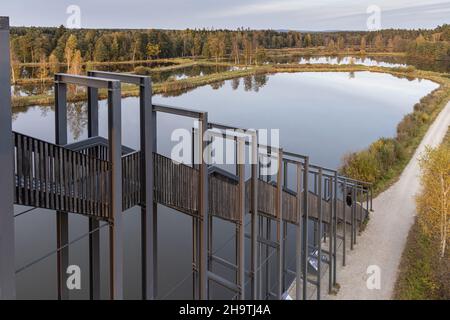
{"x":7,"y":251}
{"x":115,"y":159}
{"x":148,"y":138}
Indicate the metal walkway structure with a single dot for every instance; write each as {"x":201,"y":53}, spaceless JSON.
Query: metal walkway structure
{"x":100,"y":178}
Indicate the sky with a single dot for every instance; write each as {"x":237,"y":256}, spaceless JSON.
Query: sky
{"x":314,"y":15}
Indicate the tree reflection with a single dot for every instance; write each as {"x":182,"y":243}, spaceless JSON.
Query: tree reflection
{"x":77,"y":118}
{"x":235,"y":83}
{"x":260,"y":80}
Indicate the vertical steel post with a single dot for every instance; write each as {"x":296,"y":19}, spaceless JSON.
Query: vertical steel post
{"x":203,"y":210}
{"x":335,"y":224}
{"x":367,"y":201}
{"x":319,"y":233}
{"x":94,"y":259}
{"x":305,"y":229}
{"x":284,"y":229}
{"x":331,"y":236}
{"x":62,"y":218}
{"x":195,"y":239}
{"x":92,"y":112}
{"x":148,"y":212}
{"x":344,"y":217}
{"x":352,"y":225}
{"x":254,"y":209}
{"x":298,"y":234}
{"x":268,"y":237}
{"x":94,"y":236}
{"x":371,"y":198}
{"x":260,"y":271}
{"x":279,"y":213}
{"x":115,"y":158}
{"x":241,"y":224}
{"x":7,"y":252}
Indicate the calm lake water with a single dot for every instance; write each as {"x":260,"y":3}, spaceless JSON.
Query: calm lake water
{"x":323,"y":115}
{"x":380,"y":61}
{"x":365,"y":61}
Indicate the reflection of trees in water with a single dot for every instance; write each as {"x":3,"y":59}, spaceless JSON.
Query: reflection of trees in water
{"x":351,"y":75}
{"x":255,"y":82}
{"x":77,"y":118}
{"x":235,"y":83}
{"x":217,"y":85}
{"x":248,"y":82}
{"x":260,"y":80}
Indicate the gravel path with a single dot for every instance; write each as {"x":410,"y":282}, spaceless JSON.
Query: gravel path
{"x":382,"y":243}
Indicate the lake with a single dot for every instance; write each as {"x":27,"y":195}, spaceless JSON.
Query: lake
{"x":323,"y":115}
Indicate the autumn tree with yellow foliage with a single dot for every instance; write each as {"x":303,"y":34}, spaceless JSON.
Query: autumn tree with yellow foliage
{"x":433,"y":202}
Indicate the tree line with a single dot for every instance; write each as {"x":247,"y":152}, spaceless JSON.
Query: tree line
{"x":69,"y":46}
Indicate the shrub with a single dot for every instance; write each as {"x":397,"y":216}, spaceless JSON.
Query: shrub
{"x":142,"y":71}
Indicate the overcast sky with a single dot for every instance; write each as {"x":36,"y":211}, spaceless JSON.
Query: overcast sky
{"x":230,"y":14}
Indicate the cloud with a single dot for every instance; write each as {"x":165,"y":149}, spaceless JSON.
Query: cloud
{"x":265,"y":8}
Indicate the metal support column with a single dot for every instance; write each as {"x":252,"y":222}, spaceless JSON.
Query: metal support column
{"x":298,"y":233}
{"x":305,"y":228}
{"x":240,"y":240}
{"x":62,"y":218}
{"x":203,"y":210}
{"x":279,"y":214}
{"x":7,"y":252}
{"x":94,"y":259}
{"x":319,"y":233}
{"x":335,"y":225}
{"x":148,"y":211}
{"x":115,"y":158}
{"x":331,"y":235}
{"x":255,"y":220}
{"x":344,"y":218}
{"x":94,"y":233}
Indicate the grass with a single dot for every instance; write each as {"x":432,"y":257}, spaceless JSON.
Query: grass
{"x":422,"y":275}
{"x":416,"y":280}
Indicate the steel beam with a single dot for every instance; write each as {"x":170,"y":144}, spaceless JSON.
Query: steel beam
{"x":298,"y":234}
{"x":92,"y":112}
{"x":7,"y":252}
{"x":84,"y":81}
{"x":191,"y":113}
{"x":344,"y":218}
{"x":319,"y":233}
{"x":305,"y":228}
{"x":149,"y":210}
{"x":335,"y":225}
{"x":94,"y":232}
{"x":279,"y":214}
{"x":62,"y":218}
{"x":94,"y":259}
{"x":241,"y":224}
{"x":115,"y":158}
{"x":203,"y":209}
{"x":255,"y":220}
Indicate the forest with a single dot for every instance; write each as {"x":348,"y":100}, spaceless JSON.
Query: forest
{"x":54,"y":46}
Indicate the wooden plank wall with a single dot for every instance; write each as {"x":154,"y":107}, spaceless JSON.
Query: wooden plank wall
{"x":51,"y":177}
